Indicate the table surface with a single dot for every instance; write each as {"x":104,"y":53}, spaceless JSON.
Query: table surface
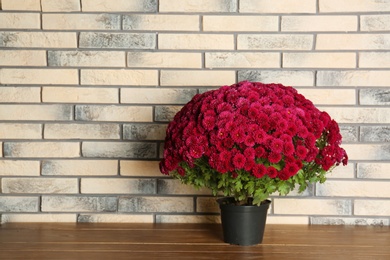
{"x":188,"y":241}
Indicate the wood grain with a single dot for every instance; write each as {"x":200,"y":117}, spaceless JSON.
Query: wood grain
{"x":188,"y":241}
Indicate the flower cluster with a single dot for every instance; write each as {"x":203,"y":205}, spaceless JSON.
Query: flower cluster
{"x":261,"y":131}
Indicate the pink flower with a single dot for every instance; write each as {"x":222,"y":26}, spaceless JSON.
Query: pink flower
{"x":238,"y":135}
{"x":274,"y":157}
{"x":288,"y":148}
{"x":253,"y":112}
{"x":181,"y":171}
{"x":259,"y":170}
{"x":301,"y":152}
{"x":249,"y":141}
{"x":288,"y":100}
{"x":196,"y":152}
{"x":277,"y":145}
{"x":282,"y":124}
{"x":250,"y":153}
{"x":291,"y":169}
{"x":222,"y":133}
{"x":249,"y":164}
{"x":239,"y":161}
{"x":208,"y":122}
{"x":302,"y":131}
{"x":260,"y":152}
{"x":272,"y":172}
{"x":260,"y":136}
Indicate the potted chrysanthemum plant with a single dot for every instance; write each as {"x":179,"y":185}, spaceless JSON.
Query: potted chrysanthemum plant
{"x":250,"y":140}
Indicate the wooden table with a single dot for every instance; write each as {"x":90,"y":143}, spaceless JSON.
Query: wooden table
{"x":188,"y":241}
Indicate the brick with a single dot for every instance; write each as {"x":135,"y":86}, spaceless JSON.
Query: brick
{"x":364,"y":115}
{"x":368,"y":189}
{"x":20,"y":21}
{"x":201,"y":219}
{"x":196,"y":78}
{"x":240,"y":23}
{"x":38,"y":76}
{"x":319,"y":60}
{"x":140,"y":168}
{"x":312,"y":206}
{"x":136,"y":150}
{"x":375,"y":23}
{"x":333,"y":6}
{"x":119,"y":6}
{"x":144,"y":132}
{"x":19,"y":168}
{"x":155,"y":204}
{"x":119,"y":77}
{"x":374,"y":97}
{"x":22,"y":58}
{"x":60,"y":6}
{"x":351,"y":78}
{"x":114,"y":113}
{"x":115,"y":218}
{"x":373,"y":170}
{"x":39,"y":218}
{"x":242,"y":60}
{"x":330,"y":96}
{"x":117,"y":186}
{"x":169,"y":186}
{"x":316,"y":23}
{"x":277,"y":6}
{"x":18,"y":204}
{"x":349,"y":221}
{"x":374,"y":60}
{"x":20,"y":131}
{"x":342,"y":172}
{"x":78,"y":204}
{"x":207,"y":204}
{"x":302,"y":42}
{"x":372,"y":207}
{"x":38,"y":39}
{"x":166,"y":113}
{"x":39,"y":185}
{"x":81,"y":21}
{"x":156,"y":95}
{"x":81,"y":131}
{"x":195,"y":42}
{"x":349,"y":133}
{"x":375,"y":152}
{"x":21,"y":5}
{"x":87,"y":58}
{"x":285,"y":77}
{"x":375,"y":134}
{"x":164,"y":60}
{"x":80,"y":167}
{"x":79,"y":95}
{"x":41,"y":149}
{"x":161,"y":22}
{"x":20,"y":94}
{"x":200,"y":6}
{"x":353,"y":42}
{"x":35,"y":112}
{"x":291,"y":220}
{"x":117,"y":40}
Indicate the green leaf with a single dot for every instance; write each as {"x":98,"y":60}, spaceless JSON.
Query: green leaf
{"x":284,"y":188}
{"x":271,"y":188}
{"x":250,"y":187}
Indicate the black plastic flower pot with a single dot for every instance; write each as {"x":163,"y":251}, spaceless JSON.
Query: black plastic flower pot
{"x":243,"y":224}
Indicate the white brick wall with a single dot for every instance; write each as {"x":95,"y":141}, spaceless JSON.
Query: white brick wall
{"x":87,"y":88}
